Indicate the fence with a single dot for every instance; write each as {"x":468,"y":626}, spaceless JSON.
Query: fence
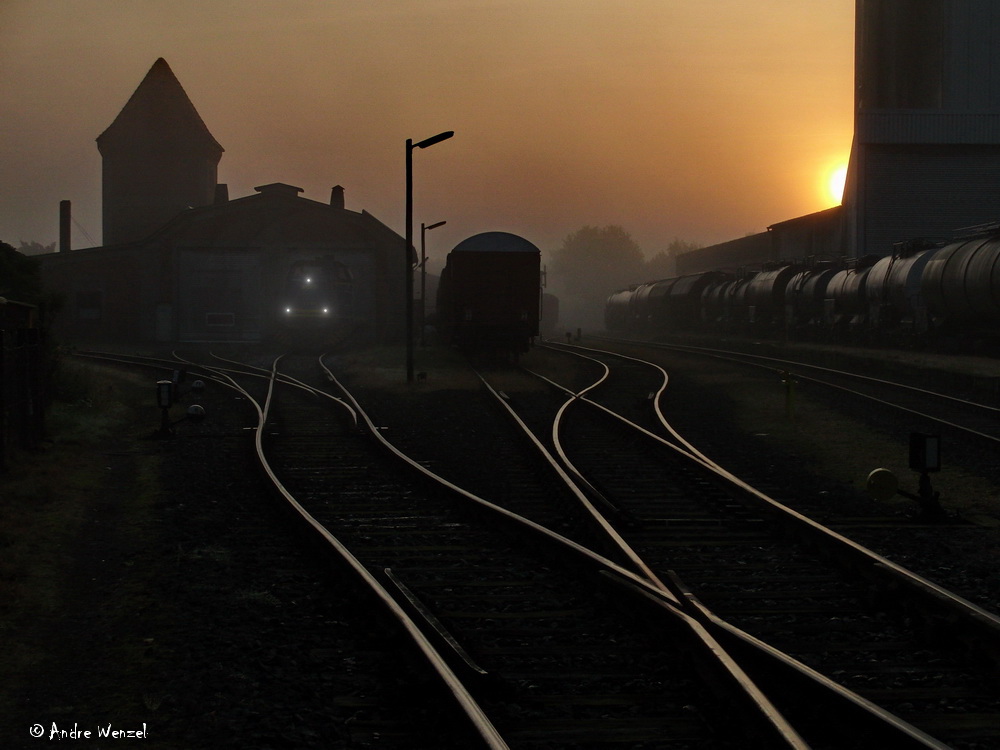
{"x":21,"y":390}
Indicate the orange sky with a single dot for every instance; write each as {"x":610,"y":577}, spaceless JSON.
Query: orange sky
{"x":703,"y":120}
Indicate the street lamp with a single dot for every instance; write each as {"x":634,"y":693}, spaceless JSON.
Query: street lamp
{"x":410,"y":145}
{"x":423,"y":277}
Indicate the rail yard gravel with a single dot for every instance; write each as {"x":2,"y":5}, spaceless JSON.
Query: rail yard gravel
{"x":815,"y":460}
{"x":185,"y":605}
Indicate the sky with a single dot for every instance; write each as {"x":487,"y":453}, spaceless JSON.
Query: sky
{"x":700,"y":120}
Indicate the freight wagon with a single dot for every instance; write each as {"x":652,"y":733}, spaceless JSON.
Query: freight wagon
{"x":489,"y":295}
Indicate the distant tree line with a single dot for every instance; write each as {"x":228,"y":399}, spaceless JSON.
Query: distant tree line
{"x":593,"y":262}
{"x":36,"y":248}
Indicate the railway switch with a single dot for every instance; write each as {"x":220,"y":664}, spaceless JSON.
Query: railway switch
{"x":925,"y":452}
{"x":925,"y":457}
{"x":166,"y":395}
{"x":164,"y":399}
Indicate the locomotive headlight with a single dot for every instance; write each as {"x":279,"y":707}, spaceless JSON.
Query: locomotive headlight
{"x":309,"y":280}
{"x":288,"y":311}
{"x":326,"y":310}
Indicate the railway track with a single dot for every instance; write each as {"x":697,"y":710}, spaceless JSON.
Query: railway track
{"x":825,"y":714}
{"x":551,"y":663}
{"x":783,"y":579}
{"x":550,"y":679}
{"x":962,"y":518}
{"x":383,"y":694}
{"x":563,"y":657}
{"x":931,"y":407}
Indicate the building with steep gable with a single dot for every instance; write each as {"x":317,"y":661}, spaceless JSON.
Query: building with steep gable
{"x":184,"y":263}
{"x":158,"y":158}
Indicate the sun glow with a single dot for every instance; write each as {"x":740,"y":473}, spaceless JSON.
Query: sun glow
{"x":835,"y":183}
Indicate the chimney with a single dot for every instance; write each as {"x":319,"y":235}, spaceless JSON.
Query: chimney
{"x":221,"y":193}
{"x":65,"y":216}
{"x":337,"y":197}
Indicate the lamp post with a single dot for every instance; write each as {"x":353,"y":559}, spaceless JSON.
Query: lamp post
{"x":423,"y":277}
{"x":410,"y":145}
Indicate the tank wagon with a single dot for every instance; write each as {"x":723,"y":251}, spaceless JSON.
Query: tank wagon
{"x":765,"y":295}
{"x":617,"y":311}
{"x":893,"y":288}
{"x":667,"y":304}
{"x":922,"y":288}
{"x":845,"y":300}
{"x":805,"y":298}
{"x":961,"y":282}
{"x":489,"y":295}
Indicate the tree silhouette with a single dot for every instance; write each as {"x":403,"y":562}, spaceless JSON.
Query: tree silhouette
{"x":36,"y":248}
{"x":592,"y":263}
{"x":663,"y":265}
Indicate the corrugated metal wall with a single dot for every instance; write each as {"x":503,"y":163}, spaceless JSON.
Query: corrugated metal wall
{"x":928,"y":127}
{"x":928,"y":192}
{"x":900,"y":54}
{"x":927,"y":132}
{"x":972,"y":66}
{"x":928,"y":55}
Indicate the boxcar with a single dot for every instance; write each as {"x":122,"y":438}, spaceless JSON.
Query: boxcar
{"x":489,"y":295}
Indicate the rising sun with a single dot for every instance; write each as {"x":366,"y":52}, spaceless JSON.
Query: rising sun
{"x":835,"y":183}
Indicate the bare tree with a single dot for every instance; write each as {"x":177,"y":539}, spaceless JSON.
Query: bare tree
{"x":36,"y":248}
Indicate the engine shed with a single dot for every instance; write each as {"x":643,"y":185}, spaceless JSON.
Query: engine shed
{"x":187,"y":264}
{"x":220,"y":273}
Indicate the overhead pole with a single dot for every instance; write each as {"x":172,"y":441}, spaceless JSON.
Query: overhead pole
{"x":410,"y":145}
{"x":423,"y":276}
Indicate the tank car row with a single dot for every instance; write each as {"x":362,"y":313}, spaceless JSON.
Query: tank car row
{"x":489,"y":296}
{"x":922,"y":288}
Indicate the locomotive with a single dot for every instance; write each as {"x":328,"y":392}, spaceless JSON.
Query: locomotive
{"x":923,"y":288}
{"x":316,"y":302}
{"x":489,"y":295}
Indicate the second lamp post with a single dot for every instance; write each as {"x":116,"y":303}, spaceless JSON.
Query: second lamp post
{"x":423,"y":276}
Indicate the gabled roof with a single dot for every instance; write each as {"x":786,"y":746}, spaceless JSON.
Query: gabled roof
{"x":159,"y":109}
